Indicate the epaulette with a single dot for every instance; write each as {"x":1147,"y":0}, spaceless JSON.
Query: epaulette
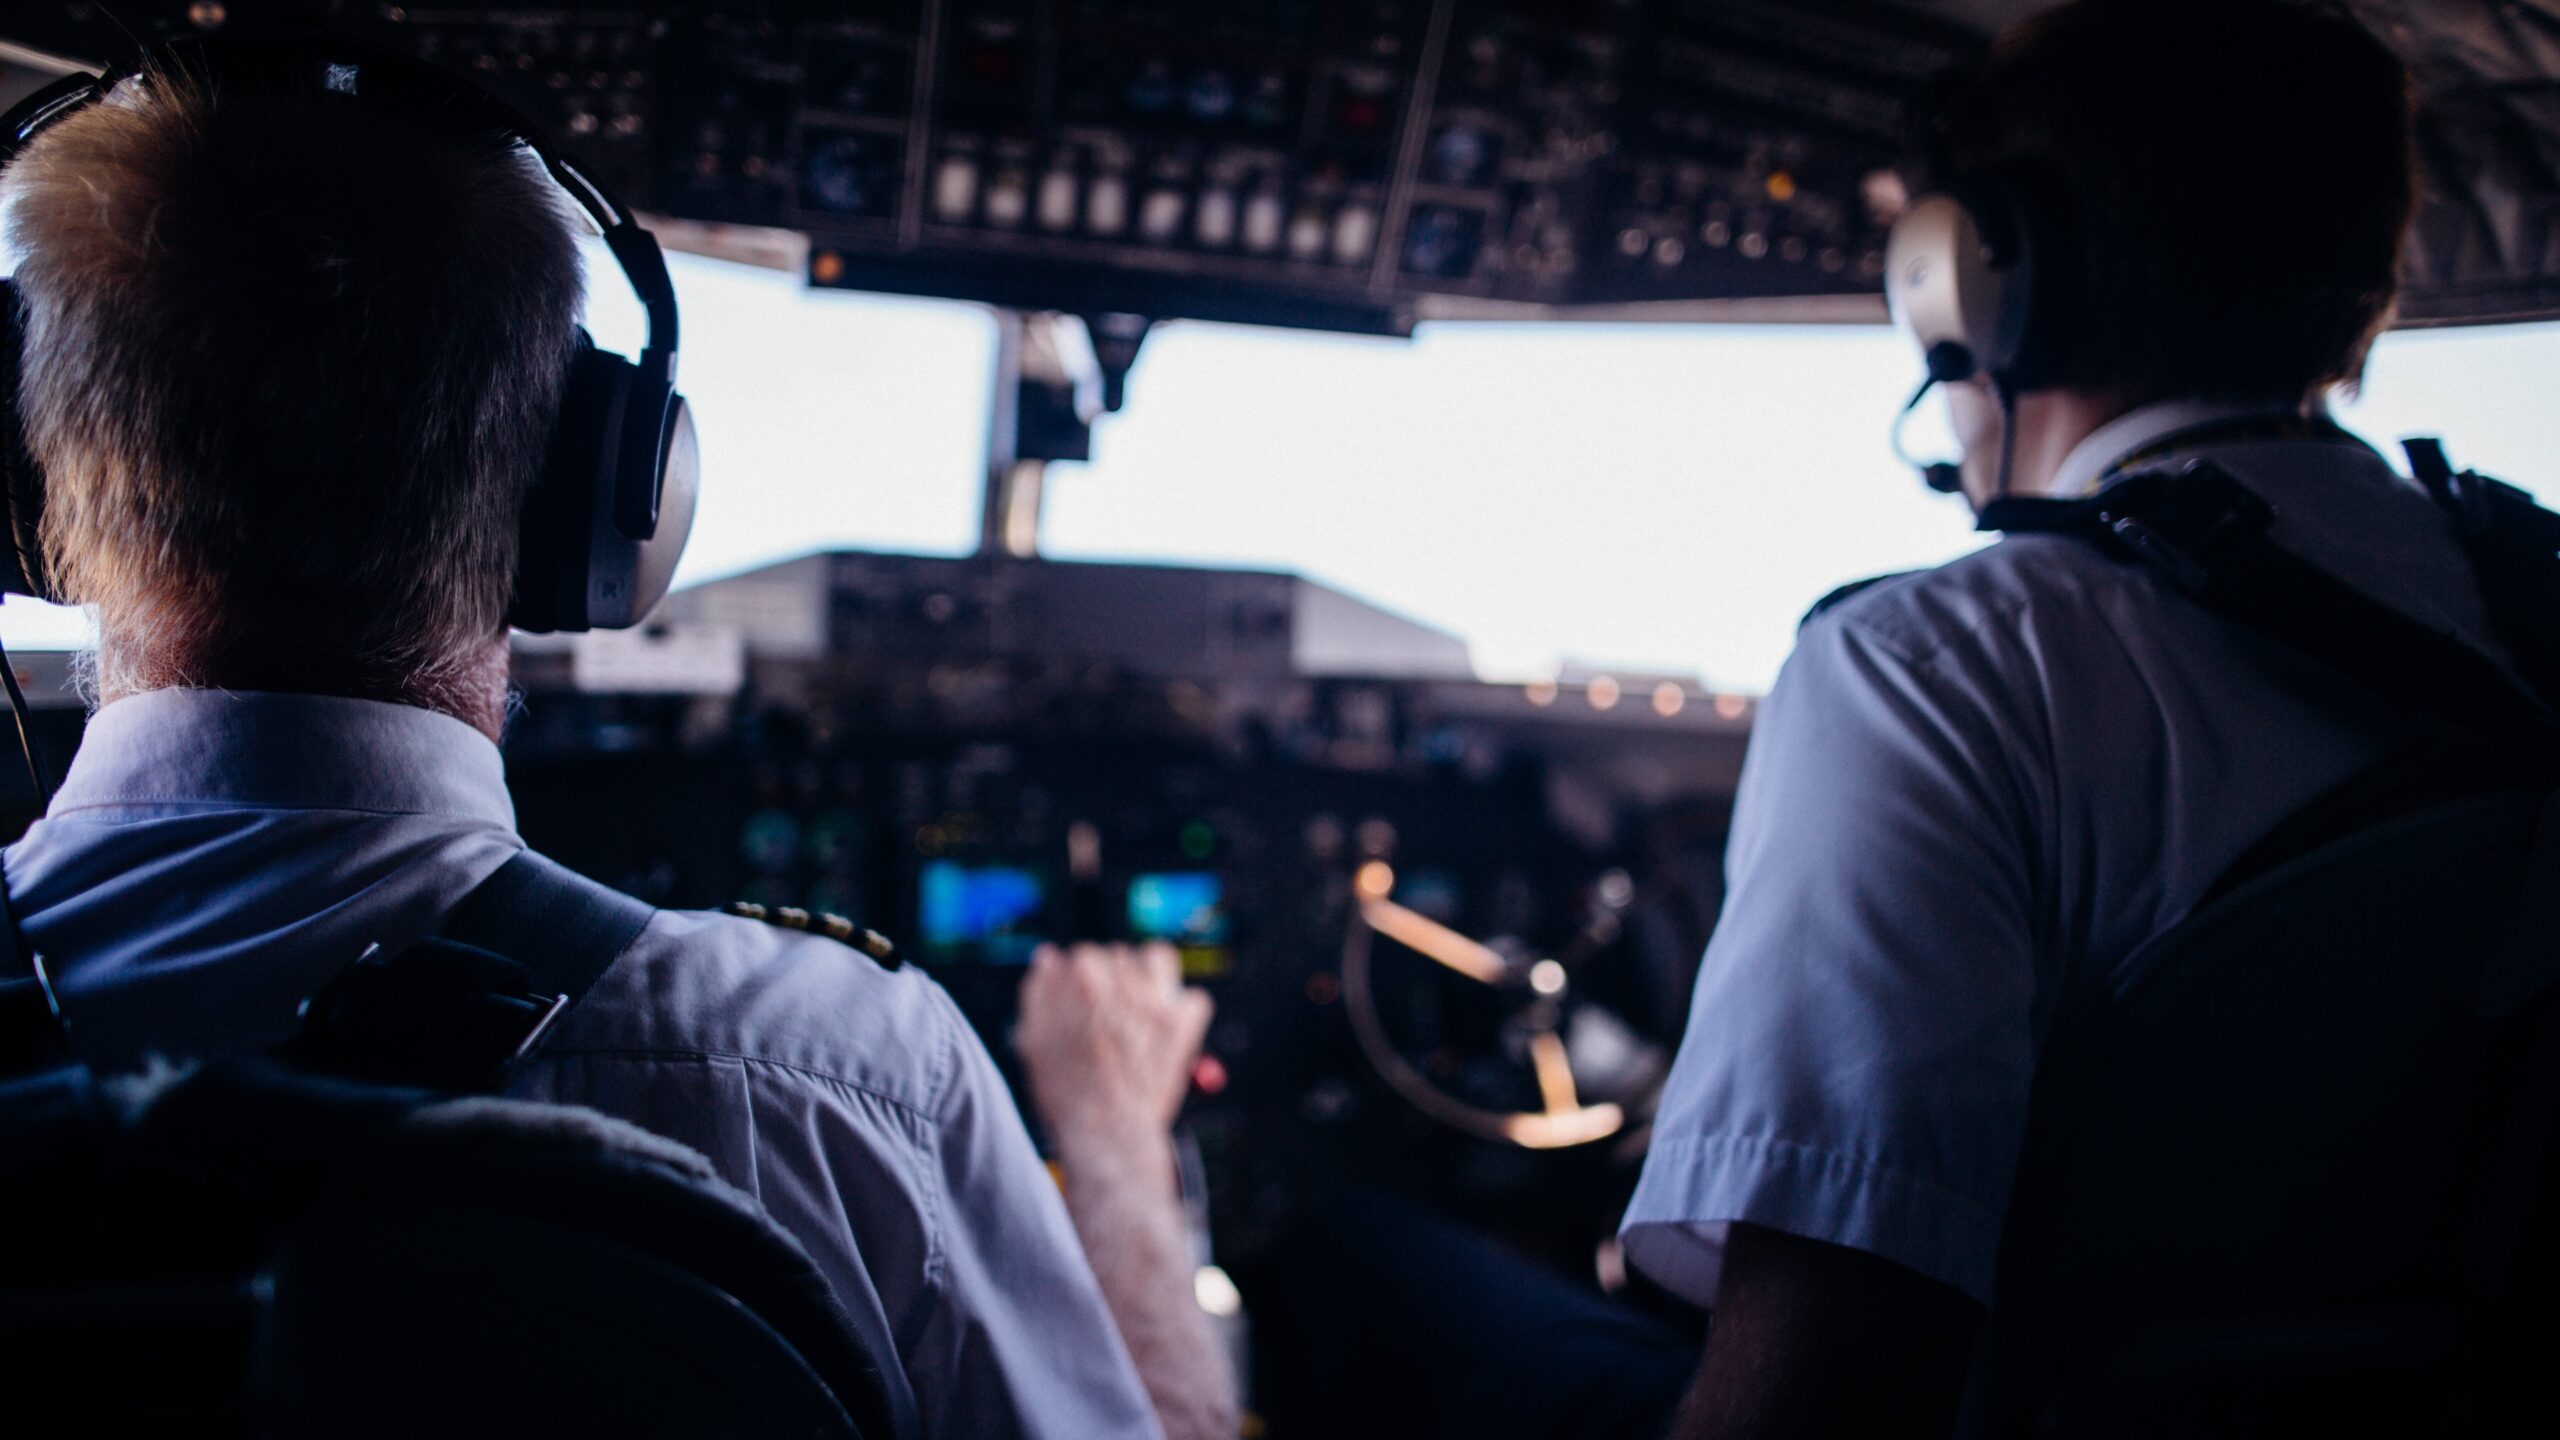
{"x":818,"y":922}
{"x":1847,"y":593}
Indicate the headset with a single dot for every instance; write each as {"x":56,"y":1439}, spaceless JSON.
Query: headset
{"x":608,"y":516}
{"x":1973,"y":273}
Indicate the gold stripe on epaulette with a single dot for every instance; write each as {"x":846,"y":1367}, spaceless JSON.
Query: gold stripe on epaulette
{"x":835,"y":927}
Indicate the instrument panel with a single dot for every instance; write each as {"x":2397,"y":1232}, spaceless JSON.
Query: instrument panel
{"x":1450,"y":925}
{"x":1353,"y":165}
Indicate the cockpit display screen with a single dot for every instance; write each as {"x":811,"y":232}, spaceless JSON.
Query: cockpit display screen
{"x":985,"y":913}
{"x":1185,"y":907}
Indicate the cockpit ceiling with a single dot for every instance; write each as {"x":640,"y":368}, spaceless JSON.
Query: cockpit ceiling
{"x":1335,"y":164}
{"x":2487,"y":246}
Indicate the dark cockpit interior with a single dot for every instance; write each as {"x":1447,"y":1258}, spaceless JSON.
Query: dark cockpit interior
{"x":1451,"y":925}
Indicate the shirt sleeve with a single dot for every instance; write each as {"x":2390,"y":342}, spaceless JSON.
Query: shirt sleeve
{"x":1860,"y":1043}
{"x":922,"y":1203}
{"x":1022,"y":1343}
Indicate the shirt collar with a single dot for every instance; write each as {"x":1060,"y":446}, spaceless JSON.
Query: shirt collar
{"x":251,"y":750}
{"x":2084,"y":470}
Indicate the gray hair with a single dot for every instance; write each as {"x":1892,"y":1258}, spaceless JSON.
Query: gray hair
{"x":291,"y":368}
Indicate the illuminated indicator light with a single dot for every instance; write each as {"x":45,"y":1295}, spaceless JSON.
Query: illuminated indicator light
{"x":955,"y":188}
{"x":1106,"y":206}
{"x":1617,"y":889}
{"x":1215,"y":222}
{"x":1731,"y":706}
{"x":1209,"y":1075}
{"x":1263,"y":217}
{"x":1547,"y":977}
{"x":1541,"y":693}
{"x":1008,"y":200}
{"x":1603,"y":693}
{"x":1885,"y":195}
{"x":1781,"y":186}
{"x":1306,"y":235}
{"x":1216,"y":1294}
{"x":1667,"y":699}
{"x":827,"y":267}
{"x":1376,"y":880}
{"x":1162,"y":215}
{"x":1354,"y":231}
{"x":1057,"y":208}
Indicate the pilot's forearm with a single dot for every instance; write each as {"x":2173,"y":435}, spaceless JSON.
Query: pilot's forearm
{"x":1123,"y":1197}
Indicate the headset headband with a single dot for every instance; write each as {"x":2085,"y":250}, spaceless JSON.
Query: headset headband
{"x":302,"y":64}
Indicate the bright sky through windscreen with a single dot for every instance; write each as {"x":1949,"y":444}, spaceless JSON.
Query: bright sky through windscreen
{"x":1657,"y":498}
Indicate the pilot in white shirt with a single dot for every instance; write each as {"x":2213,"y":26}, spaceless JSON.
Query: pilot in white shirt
{"x":1932,"y":854}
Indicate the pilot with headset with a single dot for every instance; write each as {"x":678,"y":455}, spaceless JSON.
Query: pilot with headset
{"x":295,"y":397}
{"x":2156,"y":232}
{"x":2163,"y":233}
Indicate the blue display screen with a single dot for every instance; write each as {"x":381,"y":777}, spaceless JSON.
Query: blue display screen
{"x":983,"y":908}
{"x":1187,"y":907}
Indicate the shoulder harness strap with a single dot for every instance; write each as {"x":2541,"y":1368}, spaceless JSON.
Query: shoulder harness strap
{"x":565,"y":928}
{"x":457,"y":1011}
{"x":33,"y":1034}
{"x":522,"y":948}
{"x":2206,"y":534}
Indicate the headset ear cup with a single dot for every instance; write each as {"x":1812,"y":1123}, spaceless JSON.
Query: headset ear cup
{"x":2041,"y":210}
{"x":22,"y":569}
{"x":2003,"y":275}
{"x":678,"y":486}
{"x":556,"y":539}
{"x":1941,"y":286}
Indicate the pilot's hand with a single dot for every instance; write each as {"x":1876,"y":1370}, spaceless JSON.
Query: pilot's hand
{"x":1108,"y":1035}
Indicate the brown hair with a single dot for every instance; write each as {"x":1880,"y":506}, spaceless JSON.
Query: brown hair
{"x":2234,"y":178}
{"x":291,"y":367}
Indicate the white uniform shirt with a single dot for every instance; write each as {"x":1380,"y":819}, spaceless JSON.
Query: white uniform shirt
{"x":1972,"y":795}
{"x":213,"y":856}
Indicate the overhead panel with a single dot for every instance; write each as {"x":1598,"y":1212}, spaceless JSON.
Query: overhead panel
{"x":1357,"y":164}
